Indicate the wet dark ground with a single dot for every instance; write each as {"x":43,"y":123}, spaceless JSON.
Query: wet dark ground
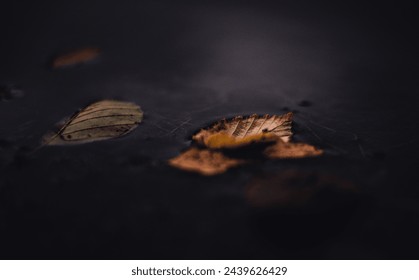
{"x":349,"y":71}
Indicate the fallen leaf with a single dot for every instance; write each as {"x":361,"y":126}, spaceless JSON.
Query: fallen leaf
{"x":242,"y":131}
{"x":206,"y":162}
{"x":76,"y":57}
{"x":99,"y":121}
{"x":292,"y":188}
{"x":239,"y":132}
{"x":292,"y":150}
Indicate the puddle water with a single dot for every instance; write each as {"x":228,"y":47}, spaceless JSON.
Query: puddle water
{"x":188,"y":66}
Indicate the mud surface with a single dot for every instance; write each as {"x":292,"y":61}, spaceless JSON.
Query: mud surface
{"x":347,"y":71}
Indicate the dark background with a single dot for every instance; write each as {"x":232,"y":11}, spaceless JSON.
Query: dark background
{"x":188,"y":64}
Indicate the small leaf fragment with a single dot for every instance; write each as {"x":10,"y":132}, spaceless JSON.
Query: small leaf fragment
{"x":76,"y":57}
{"x":282,"y":150}
{"x":242,"y":131}
{"x":99,"y":121}
{"x":205,"y":162}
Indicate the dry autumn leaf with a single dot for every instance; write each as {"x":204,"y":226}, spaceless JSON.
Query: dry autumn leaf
{"x":292,"y":150}
{"x":239,"y":132}
{"x":205,"y":162}
{"x":242,"y":131}
{"x":99,"y":121}
{"x":75,"y":57}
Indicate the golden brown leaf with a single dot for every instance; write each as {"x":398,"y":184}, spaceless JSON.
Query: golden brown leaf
{"x":205,"y":162}
{"x":238,"y":132}
{"x":99,"y":121}
{"x":292,"y":150}
{"x":242,"y":131}
{"x":75,"y":57}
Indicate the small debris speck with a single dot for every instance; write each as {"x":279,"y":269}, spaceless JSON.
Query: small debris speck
{"x":305,"y":103}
